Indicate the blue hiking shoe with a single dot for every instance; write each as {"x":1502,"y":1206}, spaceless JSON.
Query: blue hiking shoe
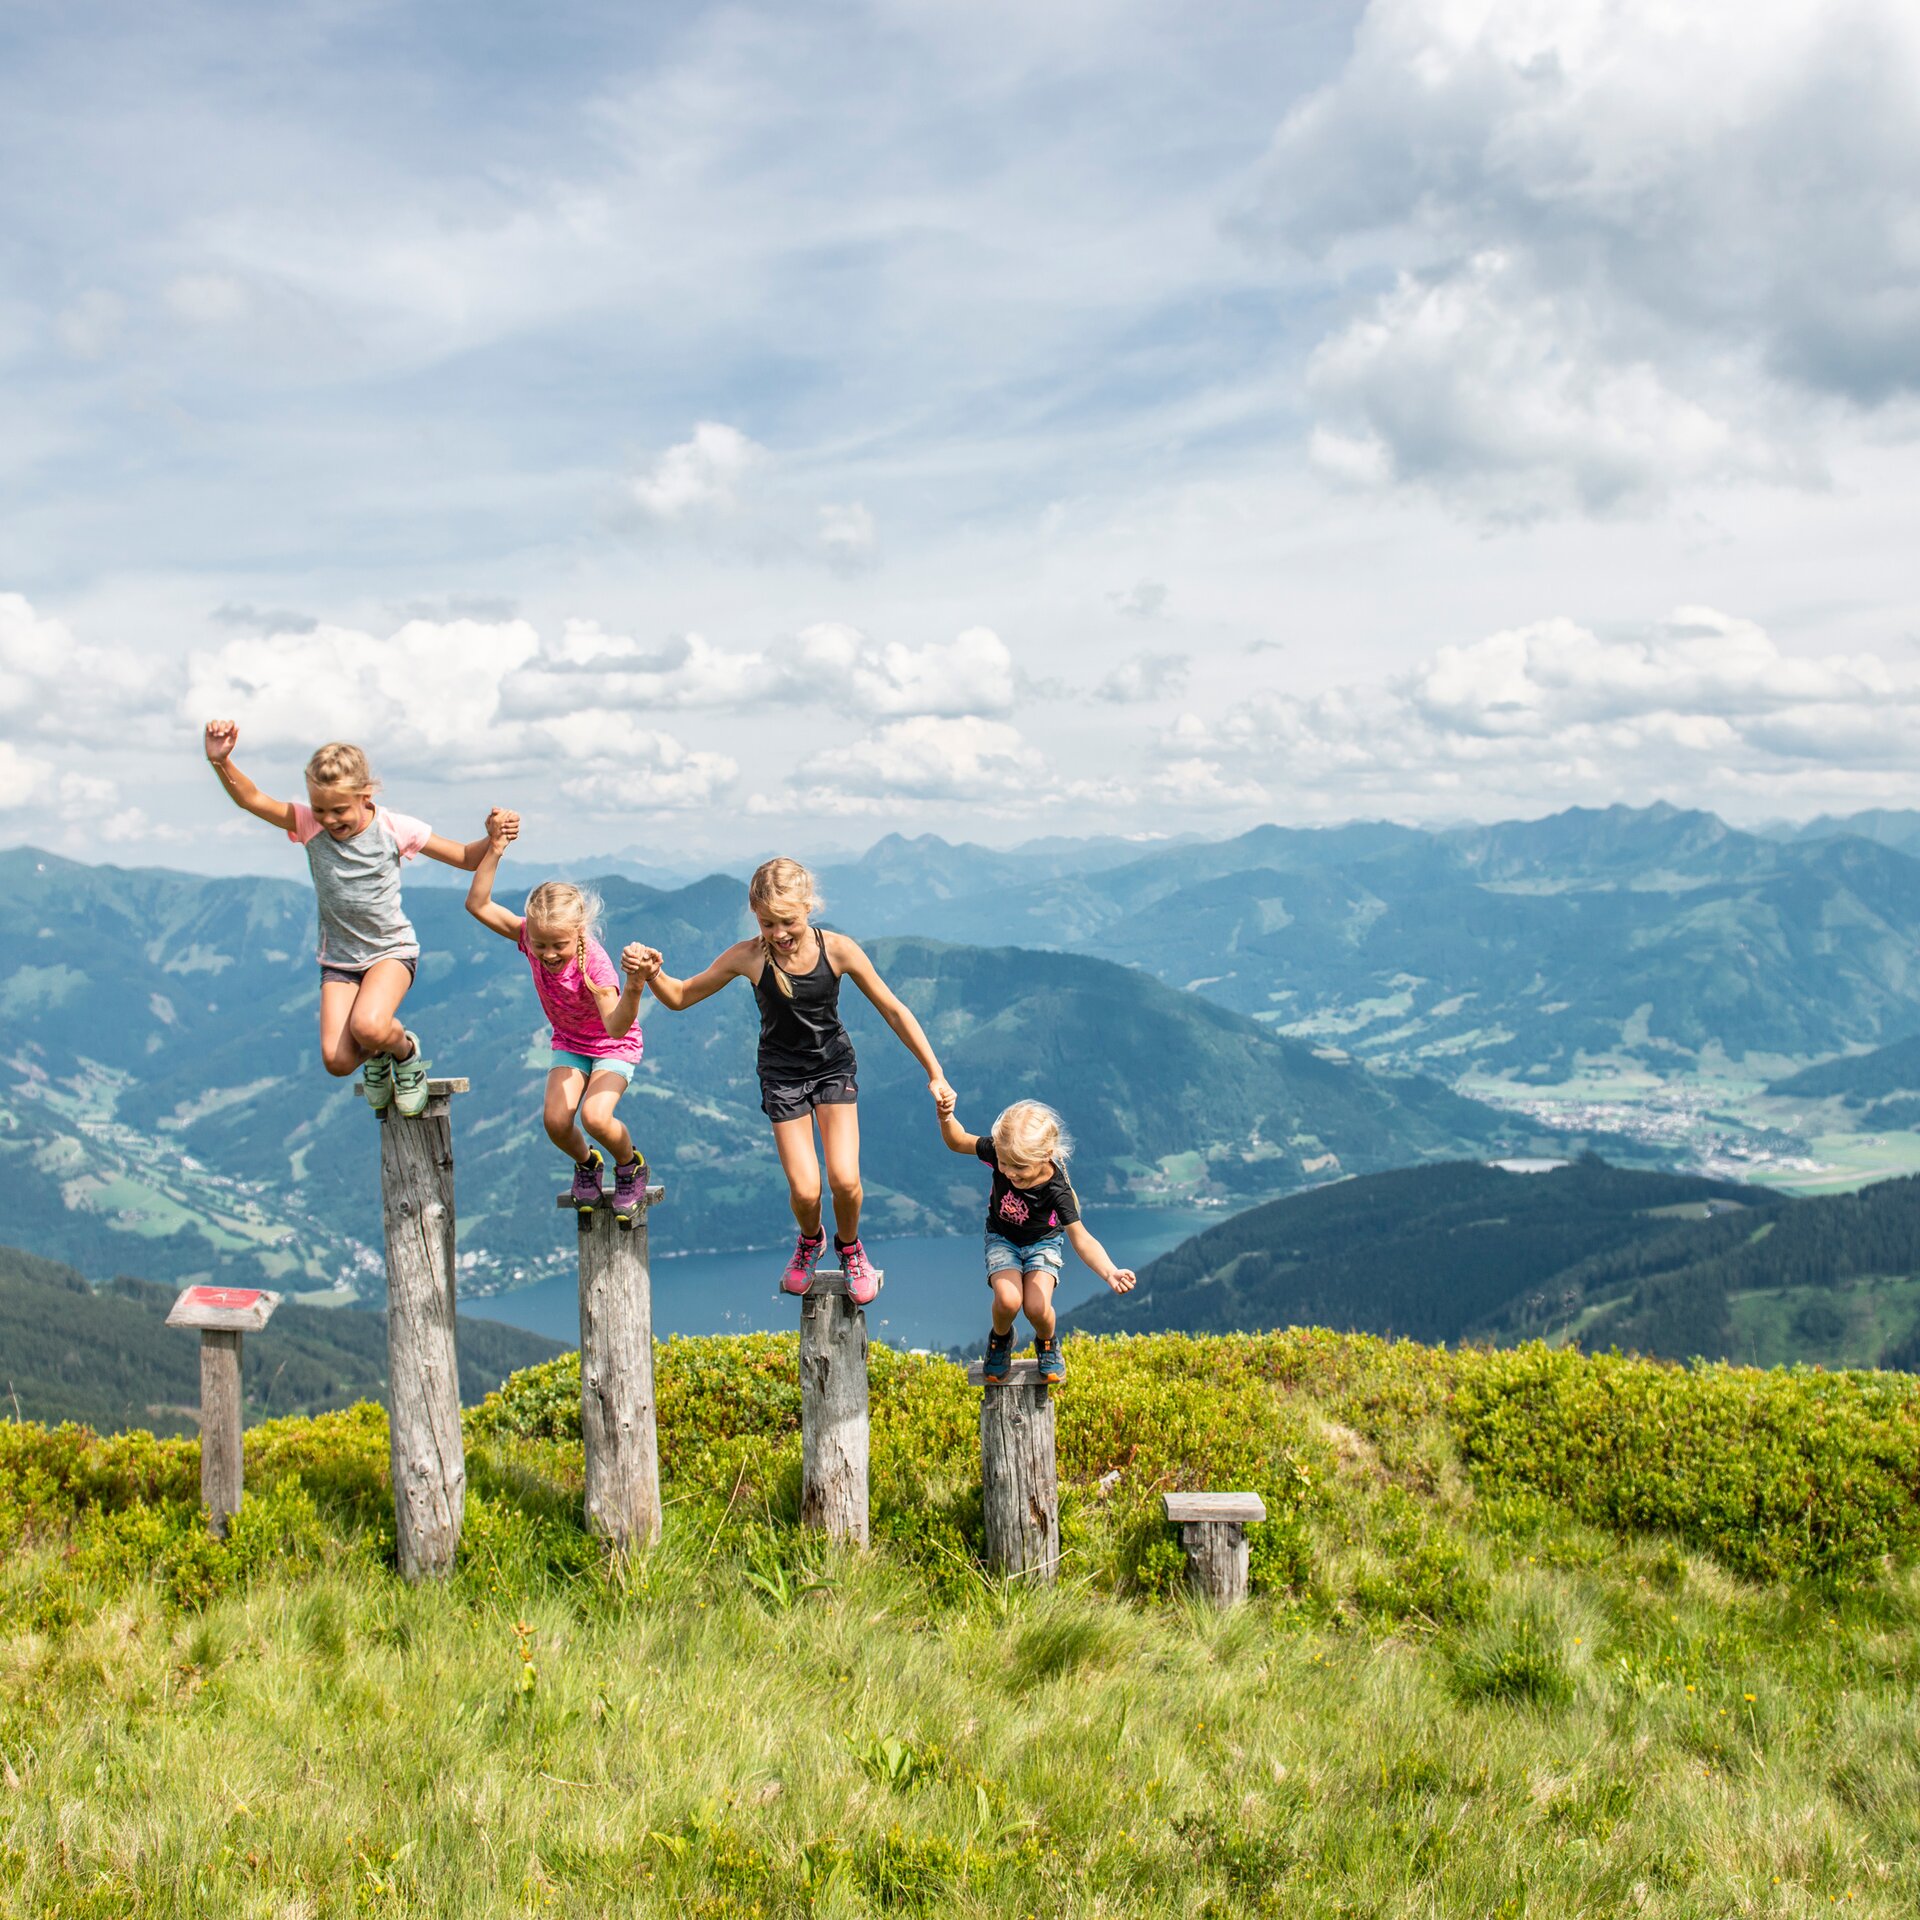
{"x":999,"y":1361}
{"x":1053,"y":1363}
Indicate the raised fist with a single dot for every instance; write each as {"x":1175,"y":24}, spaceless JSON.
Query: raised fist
{"x":220,"y":739}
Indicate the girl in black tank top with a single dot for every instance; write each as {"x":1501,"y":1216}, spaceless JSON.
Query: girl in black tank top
{"x":806,"y":1060}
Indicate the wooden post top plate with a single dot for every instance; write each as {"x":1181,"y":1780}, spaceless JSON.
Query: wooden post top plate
{"x":830,"y":1281}
{"x":1187,"y":1508}
{"x":568,"y":1204}
{"x":1024,"y":1373}
{"x":224,"y":1309}
{"x":436,"y":1090}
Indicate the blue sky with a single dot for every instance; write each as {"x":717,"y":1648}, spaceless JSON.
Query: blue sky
{"x":715,"y":428}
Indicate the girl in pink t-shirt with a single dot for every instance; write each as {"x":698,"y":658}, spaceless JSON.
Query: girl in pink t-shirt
{"x":596,"y":1043}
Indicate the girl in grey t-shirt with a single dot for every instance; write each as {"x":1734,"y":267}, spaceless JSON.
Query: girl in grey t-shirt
{"x":355,"y":850}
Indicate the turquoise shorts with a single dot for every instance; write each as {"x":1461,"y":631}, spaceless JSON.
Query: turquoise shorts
{"x":590,"y":1064}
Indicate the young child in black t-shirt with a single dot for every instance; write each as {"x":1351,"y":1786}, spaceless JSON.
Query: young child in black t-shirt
{"x":1032,"y":1213}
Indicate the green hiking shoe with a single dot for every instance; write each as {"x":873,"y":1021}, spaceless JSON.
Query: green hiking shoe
{"x":410,"y":1081}
{"x":377,"y":1077}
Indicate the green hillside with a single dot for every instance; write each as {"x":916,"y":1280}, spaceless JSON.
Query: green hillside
{"x":1654,"y":1263}
{"x":1878,"y":1088}
{"x":1532,"y":1633}
{"x":166,"y":1112}
{"x":105,"y":1356}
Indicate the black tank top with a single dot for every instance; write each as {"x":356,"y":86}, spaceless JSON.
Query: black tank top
{"x":802,"y":1038}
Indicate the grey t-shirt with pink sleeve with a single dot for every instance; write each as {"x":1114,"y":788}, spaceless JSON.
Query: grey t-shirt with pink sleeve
{"x":357,"y":885}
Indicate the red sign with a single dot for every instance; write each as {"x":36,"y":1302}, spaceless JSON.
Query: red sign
{"x":228,"y":1299}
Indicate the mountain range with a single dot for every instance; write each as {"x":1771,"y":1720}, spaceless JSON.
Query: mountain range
{"x":167,"y":1113}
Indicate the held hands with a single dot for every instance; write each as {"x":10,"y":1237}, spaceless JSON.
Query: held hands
{"x":1121,"y":1279}
{"x":503,"y":827}
{"x":639,"y":962}
{"x":944,"y":1096}
{"x":221,"y":737}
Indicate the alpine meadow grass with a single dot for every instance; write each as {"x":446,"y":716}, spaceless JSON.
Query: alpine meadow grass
{"x":1479,"y":1676}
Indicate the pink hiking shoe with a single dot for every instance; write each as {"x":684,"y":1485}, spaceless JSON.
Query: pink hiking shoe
{"x":807,"y":1250}
{"x":863,"y":1284}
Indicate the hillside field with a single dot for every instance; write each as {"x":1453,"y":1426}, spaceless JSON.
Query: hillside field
{"x":1533,"y":1634}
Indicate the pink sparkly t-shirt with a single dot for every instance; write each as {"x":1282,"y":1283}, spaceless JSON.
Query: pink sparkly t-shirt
{"x":577,"y":1026}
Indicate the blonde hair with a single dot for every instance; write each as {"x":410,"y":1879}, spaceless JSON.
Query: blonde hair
{"x":339,"y":765}
{"x":781,"y":881}
{"x":1029,"y":1132}
{"x":559,"y":903}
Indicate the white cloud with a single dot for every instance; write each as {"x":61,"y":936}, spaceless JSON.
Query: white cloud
{"x":1146,"y":677}
{"x":57,"y":687}
{"x":90,"y":326}
{"x":1144,"y":600}
{"x":847,"y":533}
{"x":703,"y":475}
{"x":1704,"y":704}
{"x":648,"y":771}
{"x":1631,"y":245}
{"x":839,"y":665}
{"x":207,"y":299}
{"x":22,"y":777}
{"x":926,"y":758}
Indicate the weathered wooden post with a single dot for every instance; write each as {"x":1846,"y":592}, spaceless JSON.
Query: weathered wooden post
{"x":1213,"y":1529}
{"x":617,"y":1417}
{"x":833,"y":1409}
{"x":222,"y":1315}
{"x":423,"y":1373}
{"x":1019,"y":1482}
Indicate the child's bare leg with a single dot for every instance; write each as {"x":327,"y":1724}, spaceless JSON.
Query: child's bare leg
{"x":1038,"y":1290}
{"x":338,"y":1053}
{"x":564,"y":1088}
{"x":1006,"y":1299}
{"x":840,"y":1143}
{"x":373,"y":1024}
{"x":600,"y":1122}
{"x":793,"y":1141}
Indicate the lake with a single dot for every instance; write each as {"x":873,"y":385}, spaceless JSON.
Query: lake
{"x":935,"y":1293}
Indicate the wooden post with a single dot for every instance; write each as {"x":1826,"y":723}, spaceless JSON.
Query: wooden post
{"x":222,"y":1315}
{"x":1019,"y":1481}
{"x":834,"y":1430}
{"x":423,"y":1375}
{"x":617,"y":1418}
{"x":1213,"y":1529}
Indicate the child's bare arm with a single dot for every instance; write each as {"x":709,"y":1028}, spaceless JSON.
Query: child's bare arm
{"x":951,"y":1131}
{"x":480,"y":901}
{"x":618,"y":1011}
{"x":1120,"y":1279}
{"x":464,"y":854}
{"x":221,"y":738}
{"x":678,"y":995}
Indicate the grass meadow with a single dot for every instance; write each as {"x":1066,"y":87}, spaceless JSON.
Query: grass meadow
{"x":1484,"y":1671}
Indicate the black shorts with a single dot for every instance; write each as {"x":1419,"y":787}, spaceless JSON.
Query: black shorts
{"x":789,"y":1099}
{"x":352,"y":976}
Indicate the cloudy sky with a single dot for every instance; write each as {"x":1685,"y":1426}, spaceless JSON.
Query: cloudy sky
{"x":713,"y":428}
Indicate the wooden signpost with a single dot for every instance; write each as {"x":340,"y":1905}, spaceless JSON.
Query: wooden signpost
{"x":1213,"y":1529}
{"x":222,"y":1315}
{"x":425,"y":1445}
{"x":1019,"y":1481}
{"x":618,"y":1422}
{"x":834,"y":1424}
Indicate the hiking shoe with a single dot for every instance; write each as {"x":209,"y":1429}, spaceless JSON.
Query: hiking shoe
{"x":585,"y":1192}
{"x":629,"y":1187}
{"x":410,"y":1081}
{"x":807,"y":1250}
{"x":1053,"y":1363}
{"x":863,"y":1282}
{"x":999,"y":1361}
{"x":377,"y":1077}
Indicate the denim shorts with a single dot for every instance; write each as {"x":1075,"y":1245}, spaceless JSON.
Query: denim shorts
{"x":1048,"y":1255}
{"x":590,"y":1064}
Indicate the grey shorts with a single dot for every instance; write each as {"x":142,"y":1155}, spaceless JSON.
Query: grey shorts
{"x":352,"y":976}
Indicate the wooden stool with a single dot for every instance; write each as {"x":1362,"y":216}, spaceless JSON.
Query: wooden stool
{"x":222,"y":1315}
{"x":1213,"y":1529}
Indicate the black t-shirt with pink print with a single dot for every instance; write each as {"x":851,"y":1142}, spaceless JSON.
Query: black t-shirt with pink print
{"x":1026,"y":1215}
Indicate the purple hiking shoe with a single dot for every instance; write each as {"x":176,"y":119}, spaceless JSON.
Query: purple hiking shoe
{"x":586,"y":1193}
